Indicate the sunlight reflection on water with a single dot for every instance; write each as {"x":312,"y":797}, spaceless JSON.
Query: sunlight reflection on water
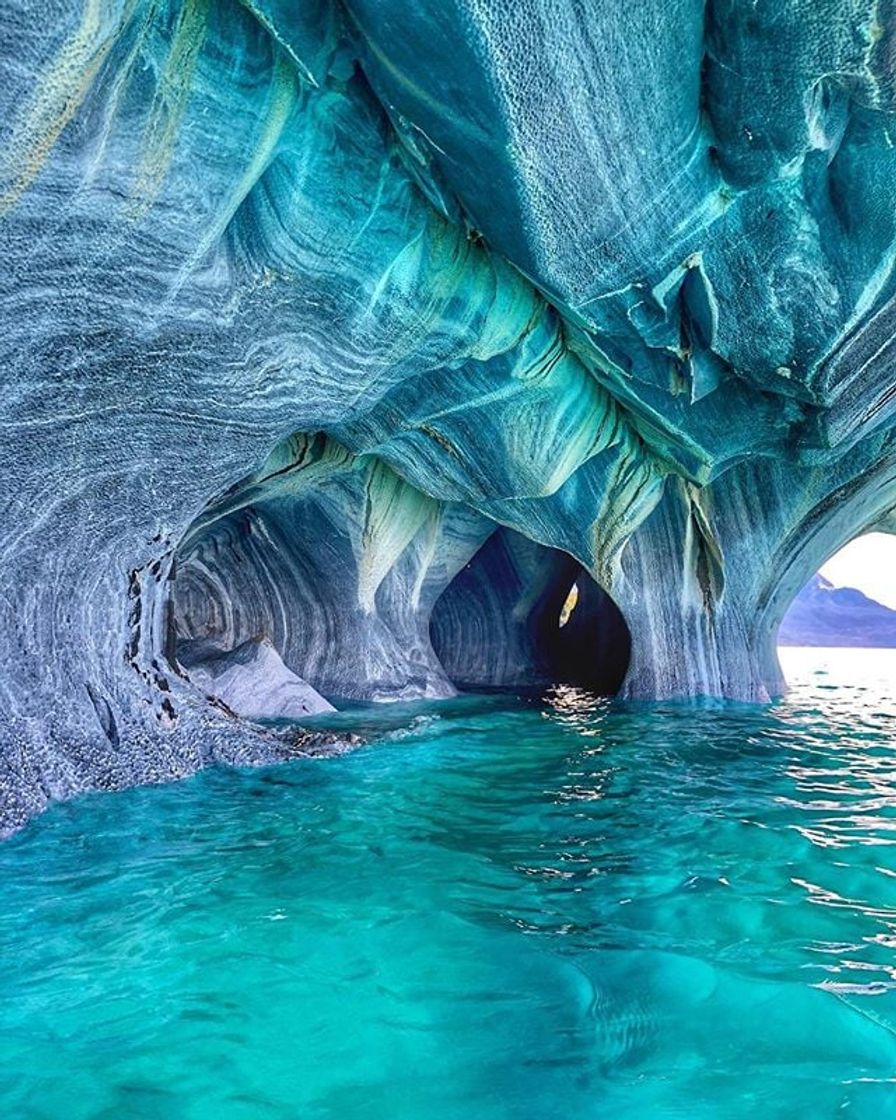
{"x":497,"y":909}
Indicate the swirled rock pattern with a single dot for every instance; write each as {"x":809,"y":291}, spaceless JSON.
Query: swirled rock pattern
{"x":364,"y":330}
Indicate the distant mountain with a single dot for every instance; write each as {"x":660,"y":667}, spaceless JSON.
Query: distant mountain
{"x":824,"y":615}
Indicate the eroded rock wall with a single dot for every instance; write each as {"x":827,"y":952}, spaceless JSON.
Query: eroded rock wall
{"x":304,"y":303}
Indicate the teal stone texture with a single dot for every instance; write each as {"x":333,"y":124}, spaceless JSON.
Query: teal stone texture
{"x":341,"y":341}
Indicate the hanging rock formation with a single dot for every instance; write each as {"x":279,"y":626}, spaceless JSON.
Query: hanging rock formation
{"x":345,"y":337}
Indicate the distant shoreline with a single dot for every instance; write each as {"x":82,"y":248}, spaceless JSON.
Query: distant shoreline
{"x":826,"y":617}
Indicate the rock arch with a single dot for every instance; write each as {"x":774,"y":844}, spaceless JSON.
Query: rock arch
{"x":406,"y":229}
{"x":370,"y":590}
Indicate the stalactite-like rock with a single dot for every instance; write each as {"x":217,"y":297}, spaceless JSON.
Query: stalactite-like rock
{"x":337,"y":561}
{"x":341,"y":326}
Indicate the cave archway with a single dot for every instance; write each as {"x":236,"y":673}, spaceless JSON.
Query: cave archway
{"x":850,"y":601}
{"x":326,"y":578}
{"x":864,"y":502}
{"x":331,"y":561}
{"x":520,"y":616}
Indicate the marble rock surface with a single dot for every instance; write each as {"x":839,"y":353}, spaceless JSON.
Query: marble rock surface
{"x":252,"y":681}
{"x":367,"y":330}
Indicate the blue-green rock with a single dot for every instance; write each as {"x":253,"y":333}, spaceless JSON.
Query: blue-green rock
{"x":342,"y":328}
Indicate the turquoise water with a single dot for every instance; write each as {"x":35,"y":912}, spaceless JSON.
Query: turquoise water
{"x":497,"y":910}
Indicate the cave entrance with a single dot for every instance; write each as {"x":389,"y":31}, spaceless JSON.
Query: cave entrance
{"x":520,"y":616}
{"x":326,"y":579}
{"x":850,"y":601}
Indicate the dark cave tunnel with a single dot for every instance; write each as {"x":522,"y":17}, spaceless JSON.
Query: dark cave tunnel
{"x":523,"y":617}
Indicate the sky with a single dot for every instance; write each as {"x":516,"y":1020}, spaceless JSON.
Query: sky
{"x":868,"y":563}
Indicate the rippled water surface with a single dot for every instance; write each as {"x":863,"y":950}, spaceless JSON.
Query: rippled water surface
{"x":497,"y":910}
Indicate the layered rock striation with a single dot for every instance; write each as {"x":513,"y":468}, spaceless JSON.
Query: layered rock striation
{"x":342,"y":340}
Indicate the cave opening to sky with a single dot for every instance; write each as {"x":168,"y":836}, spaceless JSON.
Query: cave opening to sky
{"x":867,"y":563}
{"x":850,"y":601}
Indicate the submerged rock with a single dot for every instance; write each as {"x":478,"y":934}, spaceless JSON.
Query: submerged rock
{"x":311,"y":313}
